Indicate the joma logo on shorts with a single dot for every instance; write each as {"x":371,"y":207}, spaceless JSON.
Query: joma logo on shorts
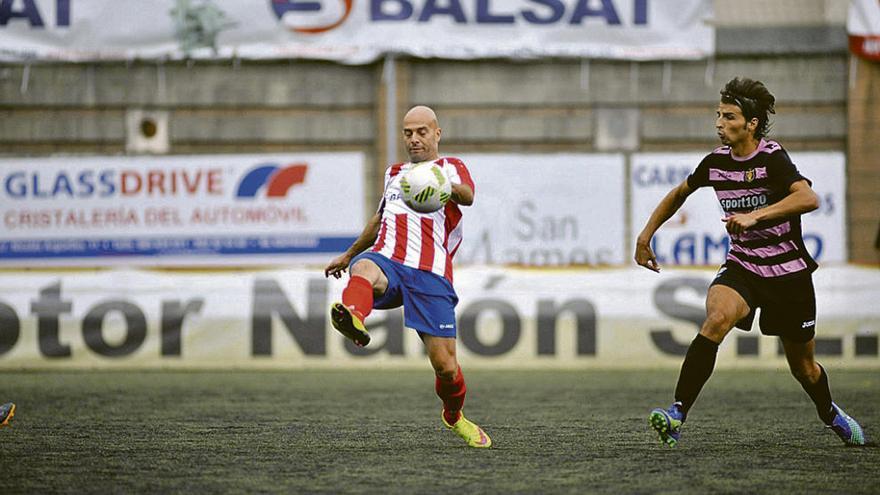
{"x":808,"y":324}
{"x":447,"y":325}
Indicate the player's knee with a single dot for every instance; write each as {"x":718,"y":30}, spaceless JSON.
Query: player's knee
{"x":446,"y":375}
{"x":800,"y":374}
{"x":807,"y":373}
{"x":717,"y":324}
{"x":446,"y":370}
{"x":368,"y":270}
{"x":362,"y":268}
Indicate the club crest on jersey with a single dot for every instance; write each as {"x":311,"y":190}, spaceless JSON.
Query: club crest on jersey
{"x":750,"y":175}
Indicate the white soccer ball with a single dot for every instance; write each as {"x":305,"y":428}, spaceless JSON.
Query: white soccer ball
{"x":425,"y":187}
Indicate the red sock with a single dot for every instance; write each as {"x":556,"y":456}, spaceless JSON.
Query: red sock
{"x":358,"y":295}
{"x":452,"y":394}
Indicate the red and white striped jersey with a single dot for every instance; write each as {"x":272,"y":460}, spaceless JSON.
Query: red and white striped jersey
{"x":426,"y":241}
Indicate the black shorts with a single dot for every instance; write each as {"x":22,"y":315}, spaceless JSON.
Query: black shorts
{"x":788,"y":306}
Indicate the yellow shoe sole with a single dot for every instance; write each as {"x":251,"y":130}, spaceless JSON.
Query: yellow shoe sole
{"x":348,"y":324}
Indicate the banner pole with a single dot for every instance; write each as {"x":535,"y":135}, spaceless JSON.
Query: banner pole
{"x":389,"y":78}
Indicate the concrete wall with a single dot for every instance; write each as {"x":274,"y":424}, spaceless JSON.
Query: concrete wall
{"x":535,"y":105}
{"x":566,"y":104}
{"x":798,"y":48}
{"x":863,"y":181}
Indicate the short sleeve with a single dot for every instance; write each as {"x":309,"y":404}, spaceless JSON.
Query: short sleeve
{"x":458,"y":172}
{"x":700,"y":176}
{"x":783,"y":173}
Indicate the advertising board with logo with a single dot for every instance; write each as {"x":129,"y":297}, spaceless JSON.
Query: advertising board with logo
{"x":696,"y":234}
{"x":863,"y":27}
{"x":355,"y":31}
{"x":545,"y":210}
{"x":506,"y":318}
{"x":206,"y":209}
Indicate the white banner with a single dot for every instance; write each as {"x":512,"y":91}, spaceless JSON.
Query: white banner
{"x":203,"y":209}
{"x":354,"y":31}
{"x":545,"y":210}
{"x":696,"y":235}
{"x":616,"y":318}
{"x":863,"y":26}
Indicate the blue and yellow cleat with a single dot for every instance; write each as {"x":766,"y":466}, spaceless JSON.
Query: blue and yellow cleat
{"x":7,"y":411}
{"x":470,"y":432}
{"x":667,"y":423}
{"x":349,"y":323}
{"x":848,"y":429}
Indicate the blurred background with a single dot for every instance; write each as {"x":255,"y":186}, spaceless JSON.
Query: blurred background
{"x":175,"y":175}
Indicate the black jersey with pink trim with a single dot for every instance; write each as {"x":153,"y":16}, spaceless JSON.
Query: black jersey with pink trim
{"x":772,"y":248}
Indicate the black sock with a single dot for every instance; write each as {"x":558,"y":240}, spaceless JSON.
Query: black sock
{"x":696,"y":369}
{"x":820,"y":393}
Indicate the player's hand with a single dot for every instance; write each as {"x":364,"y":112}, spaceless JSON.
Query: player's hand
{"x":645,"y":255}
{"x":448,"y":170}
{"x":739,"y":222}
{"x":337,"y":266}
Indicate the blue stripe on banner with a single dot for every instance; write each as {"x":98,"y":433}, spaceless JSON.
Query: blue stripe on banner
{"x":176,"y":246}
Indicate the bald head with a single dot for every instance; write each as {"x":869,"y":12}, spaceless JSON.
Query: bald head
{"x":421,"y":134}
{"x":421,"y":114}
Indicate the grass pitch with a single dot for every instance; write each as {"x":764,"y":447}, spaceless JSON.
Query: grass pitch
{"x":380,"y":432}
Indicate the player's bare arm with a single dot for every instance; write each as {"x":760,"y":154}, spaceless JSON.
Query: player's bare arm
{"x":667,"y":207}
{"x":339,"y":264}
{"x":801,"y":199}
{"x":462,"y":194}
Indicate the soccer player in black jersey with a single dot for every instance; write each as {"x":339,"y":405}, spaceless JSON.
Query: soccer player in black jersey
{"x":762,"y":195}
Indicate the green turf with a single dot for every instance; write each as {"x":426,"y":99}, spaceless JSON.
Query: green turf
{"x":379,"y":432}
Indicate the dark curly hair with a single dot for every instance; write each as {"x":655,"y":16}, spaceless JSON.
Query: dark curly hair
{"x":753,"y":98}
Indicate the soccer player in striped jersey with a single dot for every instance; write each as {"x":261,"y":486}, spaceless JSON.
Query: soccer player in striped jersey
{"x":404,"y":258}
{"x":763,"y":196}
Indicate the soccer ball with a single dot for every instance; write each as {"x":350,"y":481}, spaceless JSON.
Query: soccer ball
{"x":425,"y":188}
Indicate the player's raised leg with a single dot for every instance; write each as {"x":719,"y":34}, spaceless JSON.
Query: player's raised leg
{"x":813,"y":378}
{"x":7,"y":411}
{"x":724,"y":307}
{"x":357,"y":301}
{"x":450,"y":387}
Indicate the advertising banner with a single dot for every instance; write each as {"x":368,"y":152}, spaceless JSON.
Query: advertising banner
{"x":354,"y":31}
{"x":545,"y":210}
{"x":863,"y":26}
{"x":507,"y":318}
{"x":696,"y":235}
{"x":179,"y":210}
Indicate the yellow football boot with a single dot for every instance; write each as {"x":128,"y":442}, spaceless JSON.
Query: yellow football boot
{"x":349,"y":323}
{"x":471,"y":433}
